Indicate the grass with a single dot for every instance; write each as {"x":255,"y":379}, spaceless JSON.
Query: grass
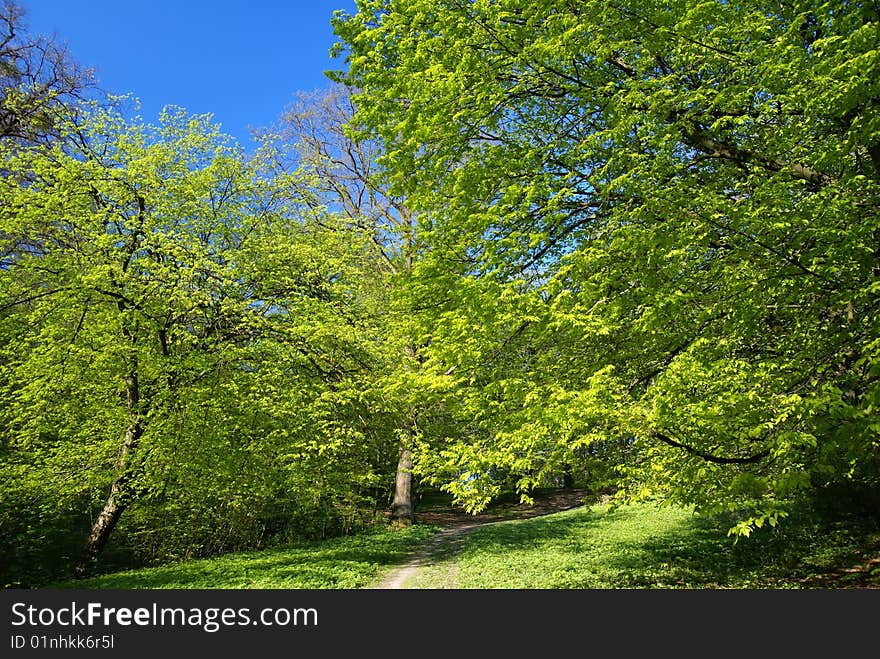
{"x":634,"y":547}
{"x":646,"y":546}
{"x":348,"y":562}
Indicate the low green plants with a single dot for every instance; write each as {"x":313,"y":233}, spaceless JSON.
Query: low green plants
{"x":648,"y":546}
{"x":346,"y":562}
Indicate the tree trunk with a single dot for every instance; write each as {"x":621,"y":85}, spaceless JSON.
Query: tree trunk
{"x":402,"y":507}
{"x":115,"y":504}
{"x":117,"y":501}
{"x":101,"y":529}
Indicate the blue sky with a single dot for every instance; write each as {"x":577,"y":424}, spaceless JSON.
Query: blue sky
{"x":240,"y":61}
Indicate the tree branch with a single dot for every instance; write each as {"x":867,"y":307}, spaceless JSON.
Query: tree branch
{"x":31,"y":298}
{"x":757,"y":457}
{"x":702,"y":142}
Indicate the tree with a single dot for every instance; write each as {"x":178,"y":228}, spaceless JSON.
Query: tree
{"x":679,"y":200}
{"x":39,"y":83}
{"x":339,"y":173}
{"x":153,"y":279}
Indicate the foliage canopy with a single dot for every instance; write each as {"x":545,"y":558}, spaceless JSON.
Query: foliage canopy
{"x":656,"y":229}
{"x":631,"y":244}
{"x":175,"y":330}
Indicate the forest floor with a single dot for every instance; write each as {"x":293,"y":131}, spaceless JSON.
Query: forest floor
{"x":590,"y":546}
{"x":859,"y":569}
{"x":456,"y":523}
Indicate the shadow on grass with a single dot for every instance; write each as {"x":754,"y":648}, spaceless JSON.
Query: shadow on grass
{"x":340,"y":563}
{"x":637,"y":547}
{"x":700,"y":555}
{"x":644,"y":547}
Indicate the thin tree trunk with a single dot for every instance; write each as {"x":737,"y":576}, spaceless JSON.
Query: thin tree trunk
{"x":117,"y":501}
{"x":113,"y":507}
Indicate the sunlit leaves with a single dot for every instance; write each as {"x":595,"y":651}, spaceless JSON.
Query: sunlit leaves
{"x":651,"y":223}
{"x":153,"y":278}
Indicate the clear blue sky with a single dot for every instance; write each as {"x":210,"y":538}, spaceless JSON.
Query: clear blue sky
{"x":240,"y":61}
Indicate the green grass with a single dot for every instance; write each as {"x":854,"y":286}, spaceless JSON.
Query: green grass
{"x":645,"y":546}
{"x":641,"y":546}
{"x":349,"y":562}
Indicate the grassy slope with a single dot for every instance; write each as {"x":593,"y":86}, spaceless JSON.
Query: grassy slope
{"x":350,"y":562}
{"x":646,"y":546}
{"x":633,"y":547}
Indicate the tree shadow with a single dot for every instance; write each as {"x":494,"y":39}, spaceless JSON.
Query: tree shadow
{"x":694,"y":553}
{"x":351,"y":563}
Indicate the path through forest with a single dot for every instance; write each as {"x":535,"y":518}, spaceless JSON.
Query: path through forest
{"x":858,"y":571}
{"x":456,"y":524}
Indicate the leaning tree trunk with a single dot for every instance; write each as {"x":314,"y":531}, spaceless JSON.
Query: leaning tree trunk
{"x":113,"y":507}
{"x":119,"y":496}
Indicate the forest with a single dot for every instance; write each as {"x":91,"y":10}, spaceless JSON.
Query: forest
{"x":632,"y":247}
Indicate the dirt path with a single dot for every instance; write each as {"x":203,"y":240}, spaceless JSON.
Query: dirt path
{"x":398,"y":577}
{"x":859,"y":571}
{"x":458,"y":524}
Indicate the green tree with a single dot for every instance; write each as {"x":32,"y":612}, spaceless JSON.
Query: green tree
{"x":338,"y":171}
{"x":166,"y":318}
{"x":670,"y":207}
